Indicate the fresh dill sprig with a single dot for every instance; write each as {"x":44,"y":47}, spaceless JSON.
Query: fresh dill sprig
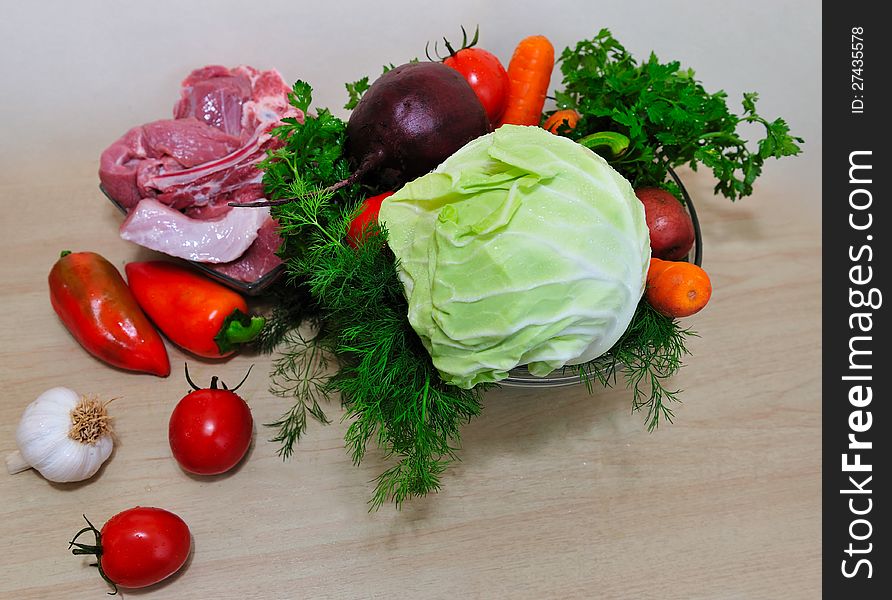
{"x":387,"y":383}
{"x":291,"y":306}
{"x":647,"y":355}
{"x":364,"y":348}
{"x":395,"y":396}
{"x":301,"y":374}
{"x":311,"y":156}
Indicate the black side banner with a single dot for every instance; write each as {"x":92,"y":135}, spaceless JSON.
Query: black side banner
{"x":856,"y":272}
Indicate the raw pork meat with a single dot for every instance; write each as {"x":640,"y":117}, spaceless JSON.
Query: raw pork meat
{"x":175,"y":177}
{"x":160,"y":227}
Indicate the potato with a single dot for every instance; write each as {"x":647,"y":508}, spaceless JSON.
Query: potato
{"x":670,"y":225}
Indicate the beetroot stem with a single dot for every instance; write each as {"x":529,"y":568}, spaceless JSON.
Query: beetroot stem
{"x":369,"y":163}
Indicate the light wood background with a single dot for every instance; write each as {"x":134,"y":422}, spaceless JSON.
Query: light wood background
{"x":560,"y":494}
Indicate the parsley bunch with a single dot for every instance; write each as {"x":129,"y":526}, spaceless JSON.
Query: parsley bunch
{"x":669,"y":117}
{"x":311,"y":155}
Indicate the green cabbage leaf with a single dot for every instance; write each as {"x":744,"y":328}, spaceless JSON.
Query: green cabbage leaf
{"x":522,"y":248}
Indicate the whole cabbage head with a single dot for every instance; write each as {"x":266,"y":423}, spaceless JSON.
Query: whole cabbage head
{"x":522,"y":248}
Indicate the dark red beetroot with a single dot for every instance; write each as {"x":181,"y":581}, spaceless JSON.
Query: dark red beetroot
{"x":410,"y":120}
{"x":670,"y":225}
{"x":413,"y":118}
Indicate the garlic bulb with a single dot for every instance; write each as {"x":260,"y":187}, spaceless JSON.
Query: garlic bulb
{"x":62,"y":435}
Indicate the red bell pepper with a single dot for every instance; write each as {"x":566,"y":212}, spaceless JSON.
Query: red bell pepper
{"x":92,"y":300}
{"x":197,"y":314}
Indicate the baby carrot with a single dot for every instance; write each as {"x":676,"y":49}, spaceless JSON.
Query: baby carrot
{"x":529,"y":75}
{"x":567,"y":116}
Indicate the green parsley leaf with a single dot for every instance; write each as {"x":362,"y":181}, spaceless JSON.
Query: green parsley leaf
{"x":355,"y":90}
{"x":667,"y":114}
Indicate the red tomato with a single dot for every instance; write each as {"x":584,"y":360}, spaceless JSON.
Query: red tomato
{"x":487,"y":77}
{"x":139,"y":546}
{"x":210,"y":430}
{"x":368,"y":215}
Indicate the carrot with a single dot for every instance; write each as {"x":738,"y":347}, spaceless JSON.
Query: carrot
{"x":567,"y":116}
{"x":529,"y":75}
{"x":657,"y":266}
{"x":677,"y":289}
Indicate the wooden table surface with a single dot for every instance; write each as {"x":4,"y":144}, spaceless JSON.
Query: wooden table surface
{"x":559,"y":494}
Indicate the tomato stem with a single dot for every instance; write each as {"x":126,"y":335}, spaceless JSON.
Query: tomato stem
{"x":449,"y":47}
{"x":243,"y":379}
{"x":452,"y":51}
{"x":189,"y":379}
{"x":212,"y":386}
{"x":95,"y":549}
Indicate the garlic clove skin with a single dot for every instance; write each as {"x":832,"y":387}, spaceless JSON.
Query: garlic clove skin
{"x":44,"y":441}
{"x":68,"y":461}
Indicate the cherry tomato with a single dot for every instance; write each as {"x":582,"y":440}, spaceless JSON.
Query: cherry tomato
{"x":487,"y":77}
{"x":210,"y":429}
{"x":139,"y":546}
{"x":368,"y":215}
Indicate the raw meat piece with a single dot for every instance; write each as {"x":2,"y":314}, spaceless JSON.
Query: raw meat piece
{"x":197,"y":162}
{"x":215,"y":95}
{"x":259,"y":259}
{"x":128,"y":166}
{"x":191,"y":143}
{"x":200,"y":185}
{"x":160,"y":227}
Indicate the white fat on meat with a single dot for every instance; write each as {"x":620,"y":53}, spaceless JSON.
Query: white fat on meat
{"x":162,"y":228}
